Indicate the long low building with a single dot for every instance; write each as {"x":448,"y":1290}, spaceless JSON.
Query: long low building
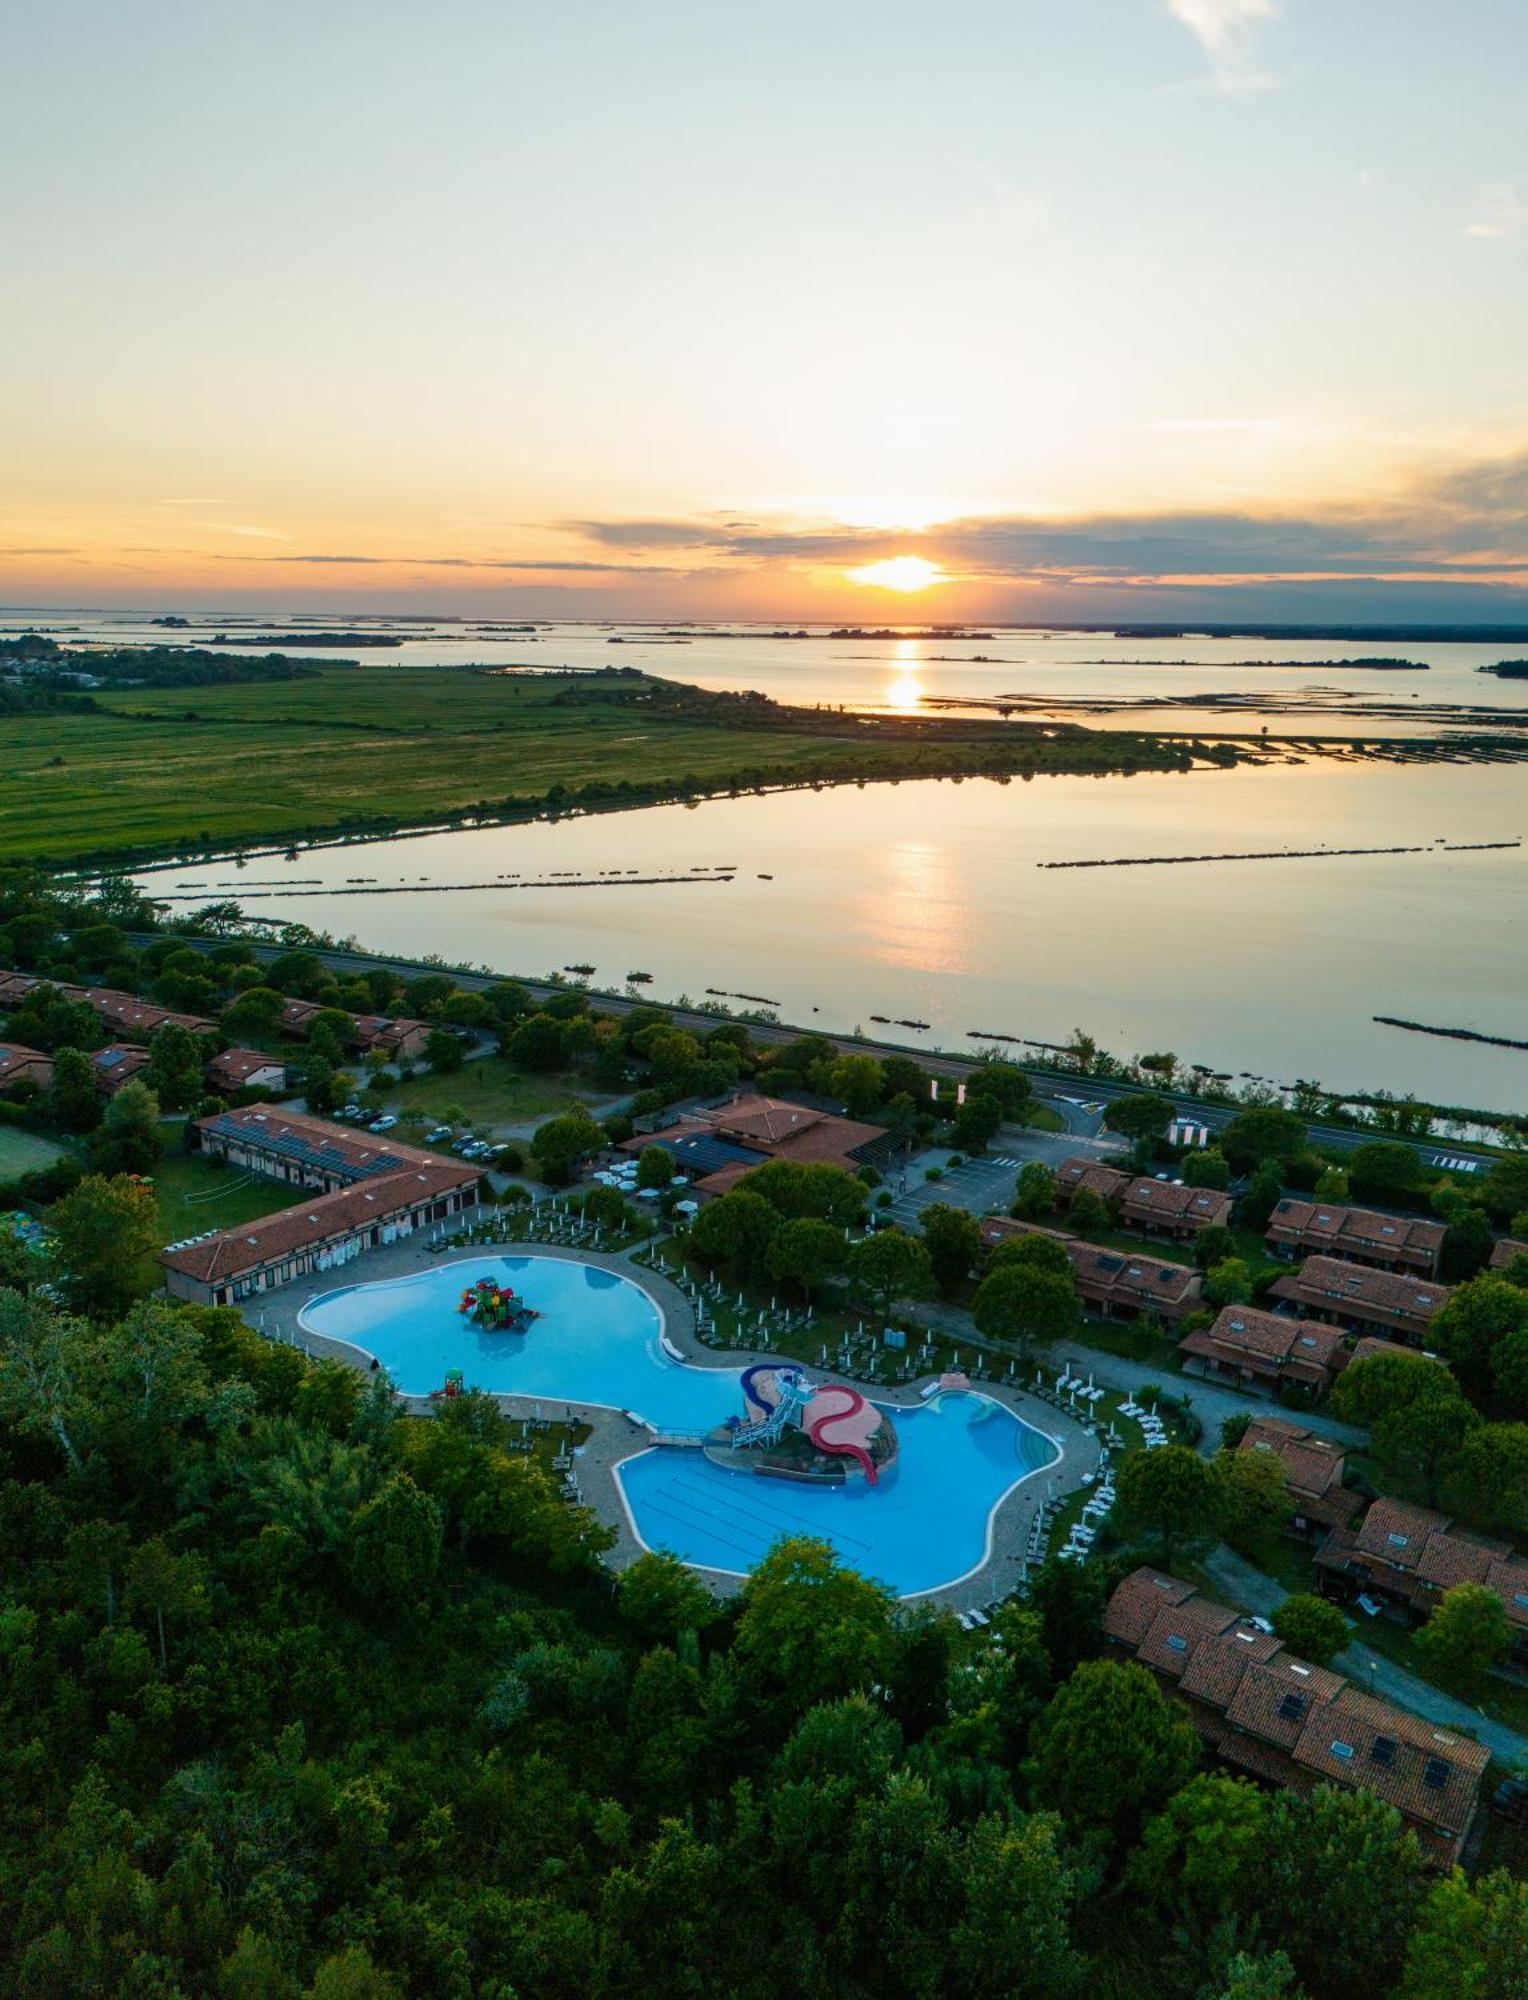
{"x":1277,"y":1717}
{"x":19,"y":1065}
{"x":1113,"y":1283}
{"x":307,"y":1151}
{"x":1413,"y":1556}
{"x":1141,"y":1201}
{"x":1315,"y":1471}
{"x":323,"y":1234}
{"x":1356,"y":1236}
{"x":717,"y":1146}
{"x":1386,"y":1303}
{"x":1264,"y":1350}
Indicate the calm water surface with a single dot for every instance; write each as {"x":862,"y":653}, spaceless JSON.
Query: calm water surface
{"x":926,"y":901}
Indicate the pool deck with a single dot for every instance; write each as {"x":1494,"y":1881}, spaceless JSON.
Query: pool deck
{"x":614,"y":1437}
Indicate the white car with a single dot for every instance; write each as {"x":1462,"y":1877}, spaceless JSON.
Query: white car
{"x":382,"y":1124}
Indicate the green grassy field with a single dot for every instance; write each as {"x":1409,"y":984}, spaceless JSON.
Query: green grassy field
{"x":374,"y":745}
{"x":195,"y":1196}
{"x":24,"y":1152}
{"x":487,"y":1093}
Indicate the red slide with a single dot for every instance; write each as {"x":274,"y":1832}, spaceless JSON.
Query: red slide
{"x":853,"y":1409}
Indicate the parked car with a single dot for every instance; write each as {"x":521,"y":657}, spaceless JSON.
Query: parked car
{"x":383,"y":1124}
{"x":349,"y":1111}
{"x":441,"y":1132}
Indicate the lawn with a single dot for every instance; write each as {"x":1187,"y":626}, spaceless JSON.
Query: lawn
{"x":196,"y":1195}
{"x":488,"y":1093}
{"x":369,"y":746}
{"x":24,"y":1152}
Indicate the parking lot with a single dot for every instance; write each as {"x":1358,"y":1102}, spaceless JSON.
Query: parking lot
{"x":976,"y":1185}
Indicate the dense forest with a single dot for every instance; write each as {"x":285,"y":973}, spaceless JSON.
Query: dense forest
{"x":305,"y":1697}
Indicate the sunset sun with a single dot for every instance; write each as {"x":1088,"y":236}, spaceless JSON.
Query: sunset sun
{"x":905,"y":573}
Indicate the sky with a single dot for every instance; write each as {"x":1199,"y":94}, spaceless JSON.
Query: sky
{"x":1060,"y":308}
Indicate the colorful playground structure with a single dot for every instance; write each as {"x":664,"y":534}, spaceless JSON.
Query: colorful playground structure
{"x":496,"y":1308}
{"x":837,"y":1419}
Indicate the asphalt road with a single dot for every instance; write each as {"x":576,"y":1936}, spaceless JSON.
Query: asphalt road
{"x":1080,"y":1101}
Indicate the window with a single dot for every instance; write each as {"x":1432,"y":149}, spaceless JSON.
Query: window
{"x":1398,"y":1541}
{"x":1435,"y":1774}
{"x":1383,"y":1750}
{"x":1343,"y":1750}
{"x":1292,"y":1706}
{"x":1178,"y":1645}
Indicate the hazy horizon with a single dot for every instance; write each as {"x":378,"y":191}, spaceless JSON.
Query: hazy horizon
{"x":1141,"y":310}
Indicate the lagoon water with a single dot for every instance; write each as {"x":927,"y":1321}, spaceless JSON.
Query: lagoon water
{"x":929,"y":901}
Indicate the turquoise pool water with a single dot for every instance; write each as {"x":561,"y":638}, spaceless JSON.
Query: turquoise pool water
{"x":598,"y":1340}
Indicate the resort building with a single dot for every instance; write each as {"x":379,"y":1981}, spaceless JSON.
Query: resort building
{"x":19,"y":1065}
{"x":400,"y":1041}
{"x":319,"y":1235}
{"x":1168,"y":1208}
{"x":1263,"y":1350}
{"x":309,"y":1152}
{"x":126,"y":1014}
{"x":1411,"y":1556}
{"x":245,"y":1069}
{"x":1280,"y":1719}
{"x":717,"y":1146}
{"x":1505,"y":1250}
{"x":1356,"y":1236}
{"x":1159,"y":1207}
{"x":116,"y":1065}
{"x":1314,"y":1469}
{"x":1076,"y":1175}
{"x":1362,"y":1300}
{"x":1112,"y":1283}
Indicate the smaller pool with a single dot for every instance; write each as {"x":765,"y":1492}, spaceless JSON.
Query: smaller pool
{"x":925,"y":1525}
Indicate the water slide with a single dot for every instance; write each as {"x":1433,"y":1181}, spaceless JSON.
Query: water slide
{"x":846,"y":1409}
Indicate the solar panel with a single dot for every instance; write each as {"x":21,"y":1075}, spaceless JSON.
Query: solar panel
{"x":1292,"y":1707}
{"x":1435,"y":1773}
{"x":1383,"y":1751}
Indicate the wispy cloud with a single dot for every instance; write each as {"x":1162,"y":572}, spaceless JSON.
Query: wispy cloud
{"x":1230,"y":33}
{"x":1466,"y":524}
{"x":1501,"y":212}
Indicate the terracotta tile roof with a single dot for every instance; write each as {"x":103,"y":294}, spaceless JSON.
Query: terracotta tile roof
{"x":231,"y":1252}
{"x":1215,"y":1668}
{"x":1138,"y":1601}
{"x":1268,"y":1343}
{"x":1397,"y":1531}
{"x":1326,"y":1284}
{"x":1431,"y":1774}
{"x":1179,"y":1630}
{"x":768,"y":1128}
{"x":1508,"y":1577}
{"x":1504,"y":1250}
{"x":1108,"y":1183}
{"x":1276,"y":1699}
{"x":235,"y":1067}
{"x":117,"y":1064}
{"x":1313,"y":1468}
{"x":1169,"y":1201}
{"x":16,"y":1062}
{"x":1136,"y":1280}
{"x":1359,"y":1232}
{"x":126,"y":1010}
{"x":1370,"y":1344}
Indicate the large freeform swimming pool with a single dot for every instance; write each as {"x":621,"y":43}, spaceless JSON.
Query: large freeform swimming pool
{"x":598,"y":1340}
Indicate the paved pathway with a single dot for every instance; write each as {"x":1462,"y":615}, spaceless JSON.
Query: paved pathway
{"x":1211,"y":1402}
{"x":616,"y":1437}
{"x":1250,"y":1590}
